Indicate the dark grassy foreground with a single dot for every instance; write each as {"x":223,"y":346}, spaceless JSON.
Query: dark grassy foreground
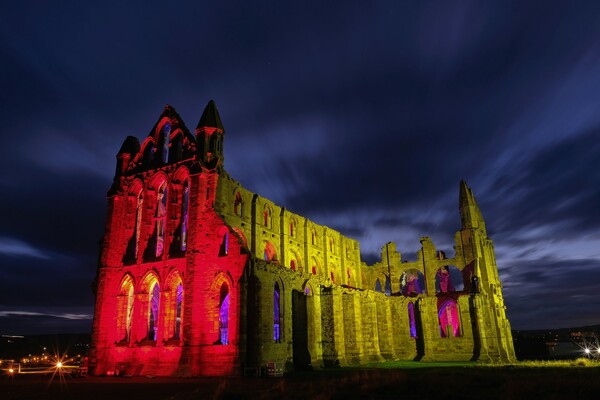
{"x":424,"y":382}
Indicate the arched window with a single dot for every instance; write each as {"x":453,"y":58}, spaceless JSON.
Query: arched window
{"x":138,"y":224}
{"x":313,"y":237}
{"x":238,"y":206}
{"x":412,"y":283}
{"x":276,"y":314}
{"x":348,"y":276}
{"x":411,"y":320}
{"x":378,"y":286}
{"x":153,"y":311}
{"x":223,"y":251}
{"x":449,"y":279}
{"x":293,"y":228}
{"x":125,"y":310}
{"x":185,"y":205}
{"x":388,"y":286}
{"x":267,"y":217}
{"x":164,"y":140}
{"x":178,"y":311}
{"x":449,"y":319}
{"x":332,"y":276}
{"x":270,"y":254}
{"x":161,"y":218}
{"x":293,"y":265}
{"x":314,"y":270}
{"x":224,"y":315}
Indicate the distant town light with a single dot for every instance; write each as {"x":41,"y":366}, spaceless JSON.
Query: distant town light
{"x":10,"y":370}
{"x":587,"y":351}
{"x":59,"y":365}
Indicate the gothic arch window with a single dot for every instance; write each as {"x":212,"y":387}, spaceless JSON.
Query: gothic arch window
{"x":388,"y":286}
{"x":161,"y":217}
{"x":411,"y":320}
{"x":268,"y":217}
{"x":448,"y":279}
{"x":185,"y":206}
{"x":178,"y":311}
{"x":224,"y":248}
{"x":314,"y":270}
{"x":270,"y":254}
{"x":238,"y":205}
{"x":332,"y":276}
{"x":378,"y":286}
{"x":153,"y":304}
{"x":173,"y":307}
{"x":165,"y":134}
{"x":313,"y":237}
{"x":276,"y":313}
{"x":139,"y":202}
{"x":125,"y":310}
{"x":449,"y":318}
{"x":412,"y":283}
{"x":348,"y":276}
{"x":224,"y":315}
{"x":293,"y":225}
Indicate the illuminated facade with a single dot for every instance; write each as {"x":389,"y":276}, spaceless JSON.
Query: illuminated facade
{"x":199,"y":276}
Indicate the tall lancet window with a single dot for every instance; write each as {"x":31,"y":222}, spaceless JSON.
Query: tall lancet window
{"x":125,"y":310}
{"x":166,"y":133}
{"x":161,"y":218}
{"x":178,"y":310}
{"x":138,"y":224}
{"x":153,"y":311}
{"x":276,"y":314}
{"x":185,"y":203}
{"x":224,"y":316}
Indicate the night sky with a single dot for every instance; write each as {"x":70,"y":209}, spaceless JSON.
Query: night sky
{"x":361,"y":117}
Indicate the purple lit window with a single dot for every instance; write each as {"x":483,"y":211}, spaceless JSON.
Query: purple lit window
{"x":166,"y":133}
{"x":411,"y":320}
{"x":178,"y":310}
{"x":153,"y":312}
{"x":276,"y":314}
{"x":224,"y":316}
{"x":449,"y":319}
{"x":378,"y":286}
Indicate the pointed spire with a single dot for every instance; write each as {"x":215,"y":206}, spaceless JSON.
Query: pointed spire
{"x":470,"y":215}
{"x":210,"y":117}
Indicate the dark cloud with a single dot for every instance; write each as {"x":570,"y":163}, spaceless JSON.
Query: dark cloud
{"x":362,"y":117}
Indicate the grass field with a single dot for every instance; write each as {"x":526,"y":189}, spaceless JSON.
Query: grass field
{"x":397,"y":380}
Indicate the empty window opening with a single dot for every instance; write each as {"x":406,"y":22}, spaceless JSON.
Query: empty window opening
{"x":237,"y":204}
{"x":165,"y":135}
{"x":224,"y":249}
{"x":412,"y":283}
{"x":448,"y":279}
